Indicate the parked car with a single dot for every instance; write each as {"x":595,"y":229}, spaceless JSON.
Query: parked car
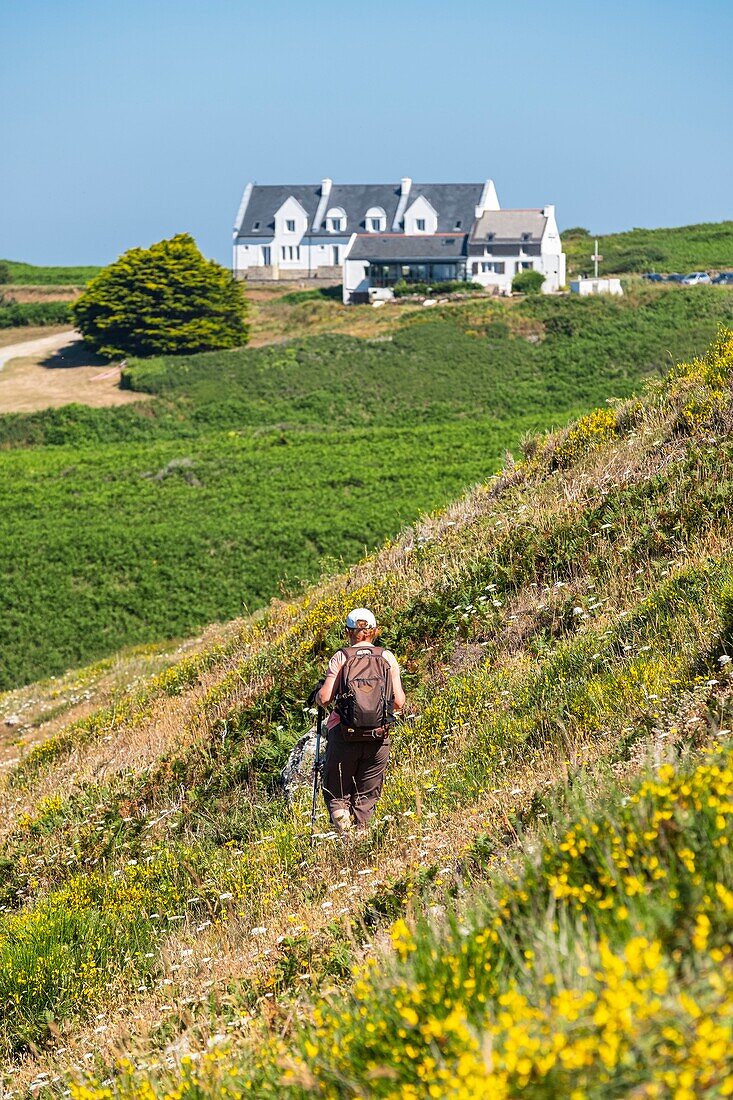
{"x":724,"y":279}
{"x":696,"y":278}
{"x":676,"y":278}
{"x":653,"y":277}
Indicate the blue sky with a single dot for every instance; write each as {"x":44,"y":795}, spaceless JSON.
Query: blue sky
{"x":126,"y":122}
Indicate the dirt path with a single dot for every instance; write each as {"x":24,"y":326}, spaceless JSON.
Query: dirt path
{"x":38,"y":347}
{"x":56,"y":370}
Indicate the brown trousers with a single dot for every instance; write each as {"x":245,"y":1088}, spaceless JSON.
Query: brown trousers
{"x":353,"y":775}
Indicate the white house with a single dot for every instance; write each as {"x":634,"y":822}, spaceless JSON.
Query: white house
{"x":504,"y":243}
{"x":304,"y":231}
{"x":375,"y":235}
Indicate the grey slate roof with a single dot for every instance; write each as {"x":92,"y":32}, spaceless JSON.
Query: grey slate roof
{"x":453,"y":202}
{"x":509,"y":226}
{"x":266,"y":200}
{"x":356,"y":198}
{"x":395,"y":247}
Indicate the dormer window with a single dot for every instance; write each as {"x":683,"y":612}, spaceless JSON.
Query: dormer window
{"x":489,"y":236}
{"x":459,"y":223}
{"x":526,"y":236}
{"x":256,"y":226}
{"x":375,"y":220}
{"x":336,"y":220}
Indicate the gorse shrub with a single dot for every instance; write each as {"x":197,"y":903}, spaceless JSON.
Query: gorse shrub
{"x":166,"y":299}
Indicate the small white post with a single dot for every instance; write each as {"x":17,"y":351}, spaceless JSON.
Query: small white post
{"x":595,"y":258}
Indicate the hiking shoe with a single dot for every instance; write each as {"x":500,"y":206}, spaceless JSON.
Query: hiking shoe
{"x":342,"y":822}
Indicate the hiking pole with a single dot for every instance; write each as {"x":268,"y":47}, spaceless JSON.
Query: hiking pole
{"x":316,"y":768}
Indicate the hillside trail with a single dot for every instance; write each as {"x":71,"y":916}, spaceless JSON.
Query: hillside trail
{"x":60,"y":369}
{"x":36,"y":347}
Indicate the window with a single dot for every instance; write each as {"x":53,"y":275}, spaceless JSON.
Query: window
{"x":256,"y":226}
{"x":336,"y":255}
{"x":290,"y":225}
{"x":497,"y":267}
{"x":420,"y":225}
{"x":526,"y":266}
{"x":336,"y":219}
{"x":526,"y":236}
{"x":459,"y":224}
{"x":375,"y":220}
{"x":266,"y":255}
{"x":489,"y":236}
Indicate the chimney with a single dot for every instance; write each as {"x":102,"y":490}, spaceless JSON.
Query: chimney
{"x":489,"y":199}
{"x":326,"y":186}
{"x":405,"y":185}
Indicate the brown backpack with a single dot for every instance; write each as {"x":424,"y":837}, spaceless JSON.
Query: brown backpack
{"x":365,"y":699}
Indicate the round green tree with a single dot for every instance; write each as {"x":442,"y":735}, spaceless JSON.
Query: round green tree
{"x":528,"y":282}
{"x":166,"y":299}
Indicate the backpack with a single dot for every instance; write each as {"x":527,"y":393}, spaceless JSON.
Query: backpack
{"x":365,"y":700}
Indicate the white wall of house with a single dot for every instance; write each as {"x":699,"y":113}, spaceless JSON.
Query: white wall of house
{"x":289,"y":250}
{"x":499,"y":270}
{"x":356,"y":278}
{"x":420,"y":217}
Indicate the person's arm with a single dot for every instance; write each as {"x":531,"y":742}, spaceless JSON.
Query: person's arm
{"x":397,"y":689}
{"x":326,"y":694}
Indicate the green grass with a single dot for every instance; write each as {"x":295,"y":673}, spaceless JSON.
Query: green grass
{"x":23,"y":274}
{"x":126,"y":525}
{"x":578,"y":609}
{"x":133,"y":541}
{"x":686,"y":248}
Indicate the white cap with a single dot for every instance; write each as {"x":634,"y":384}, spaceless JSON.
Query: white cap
{"x":363,"y":614}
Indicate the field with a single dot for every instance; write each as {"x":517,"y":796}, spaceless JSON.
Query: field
{"x":23,"y":274}
{"x":544,"y":906}
{"x":706,"y":247}
{"x":247,"y":469}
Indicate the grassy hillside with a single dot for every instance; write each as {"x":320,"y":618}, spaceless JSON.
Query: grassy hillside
{"x":126,"y":525}
{"x":545,"y":903}
{"x":684,"y":248}
{"x":23,"y":274}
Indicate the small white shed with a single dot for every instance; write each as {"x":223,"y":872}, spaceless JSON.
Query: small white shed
{"x":595,"y":286}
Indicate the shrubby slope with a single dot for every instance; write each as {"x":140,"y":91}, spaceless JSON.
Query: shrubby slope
{"x":684,"y":248}
{"x":545,"y":902}
{"x":127,"y":525}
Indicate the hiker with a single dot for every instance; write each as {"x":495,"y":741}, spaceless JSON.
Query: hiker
{"x":363,"y":684}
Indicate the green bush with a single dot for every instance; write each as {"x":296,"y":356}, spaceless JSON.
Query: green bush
{"x":528,"y":282}
{"x":20,"y":314}
{"x":4,"y":271}
{"x":166,"y":299}
{"x":456,"y":286}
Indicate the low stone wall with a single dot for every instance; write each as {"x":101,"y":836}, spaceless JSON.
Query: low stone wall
{"x":326,"y":276}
